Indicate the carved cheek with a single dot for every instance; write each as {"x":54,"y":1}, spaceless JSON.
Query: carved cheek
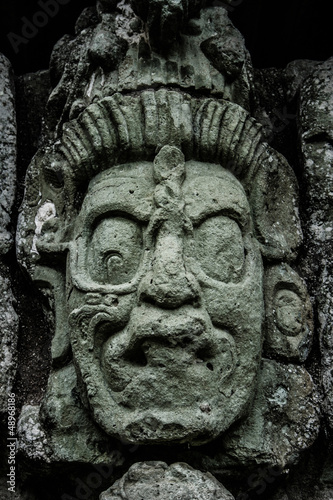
{"x":229,"y":270}
{"x":237,"y":307}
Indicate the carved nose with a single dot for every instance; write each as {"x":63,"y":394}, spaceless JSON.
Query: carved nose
{"x":169,"y":285}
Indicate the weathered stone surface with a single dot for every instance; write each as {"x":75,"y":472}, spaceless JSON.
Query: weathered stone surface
{"x":157,"y":480}
{"x":61,"y":431}
{"x":191,"y":347}
{"x":32,"y":438}
{"x":283,"y":420}
{"x":7,"y":153}
{"x":166,"y":19}
{"x":295,"y":73}
{"x":216,"y":345}
{"x":8,"y":339}
{"x":315,"y":119}
{"x":115,"y":56}
{"x":289,"y":323}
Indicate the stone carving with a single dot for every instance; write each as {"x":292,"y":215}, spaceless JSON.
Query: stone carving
{"x":155,"y":480}
{"x":282,"y":421}
{"x":115,"y":55}
{"x":154,"y":304}
{"x":163,"y":231}
{"x":162,"y":261}
{"x":289,"y":322}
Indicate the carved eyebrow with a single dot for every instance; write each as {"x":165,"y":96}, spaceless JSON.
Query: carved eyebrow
{"x":199,"y":209}
{"x":230,"y":212}
{"x":135,"y":200}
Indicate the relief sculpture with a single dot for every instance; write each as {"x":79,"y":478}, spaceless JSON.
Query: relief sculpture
{"x":163,"y":232}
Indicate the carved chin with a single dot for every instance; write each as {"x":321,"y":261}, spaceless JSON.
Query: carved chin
{"x":165,"y":375}
{"x":173,"y":378}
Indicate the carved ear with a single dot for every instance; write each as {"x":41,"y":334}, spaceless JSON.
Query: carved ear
{"x":273,"y":200}
{"x":289,"y":324}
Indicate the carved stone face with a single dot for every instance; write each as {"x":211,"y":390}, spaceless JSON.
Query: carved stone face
{"x":166,"y":303}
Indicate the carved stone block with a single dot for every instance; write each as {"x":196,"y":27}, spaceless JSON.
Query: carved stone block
{"x":155,"y":480}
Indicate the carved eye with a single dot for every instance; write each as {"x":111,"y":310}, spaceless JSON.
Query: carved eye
{"x":115,"y":251}
{"x":219,"y":248}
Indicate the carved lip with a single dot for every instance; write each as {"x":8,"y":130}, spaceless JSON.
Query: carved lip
{"x":181,"y":347}
{"x":161,"y":333}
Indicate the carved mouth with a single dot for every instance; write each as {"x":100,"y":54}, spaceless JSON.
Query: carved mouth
{"x":164,"y":343}
{"x":184,"y":352}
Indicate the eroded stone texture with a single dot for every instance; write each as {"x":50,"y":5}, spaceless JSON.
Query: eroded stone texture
{"x":289,"y":324}
{"x":283,"y":420}
{"x":8,"y":316}
{"x":62,"y":430}
{"x":7,"y":153}
{"x":316,"y":119}
{"x":157,"y":480}
{"x":8,"y":339}
{"x":174,"y":331}
{"x":112,"y":53}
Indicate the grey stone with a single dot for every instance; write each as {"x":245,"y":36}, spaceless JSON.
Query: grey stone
{"x":195,"y":345}
{"x":115,"y":56}
{"x":289,"y":323}
{"x":7,"y":153}
{"x":106,"y":49}
{"x":8,"y":340}
{"x":316,"y":118}
{"x":61,"y":430}
{"x":296,"y":72}
{"x":196,"y":337}
{"x":166,"y":19}
{"x":73,"y":436}
{"x":283,"y":420}
{"x":157,"y":480}
{"x":32,"y":440}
